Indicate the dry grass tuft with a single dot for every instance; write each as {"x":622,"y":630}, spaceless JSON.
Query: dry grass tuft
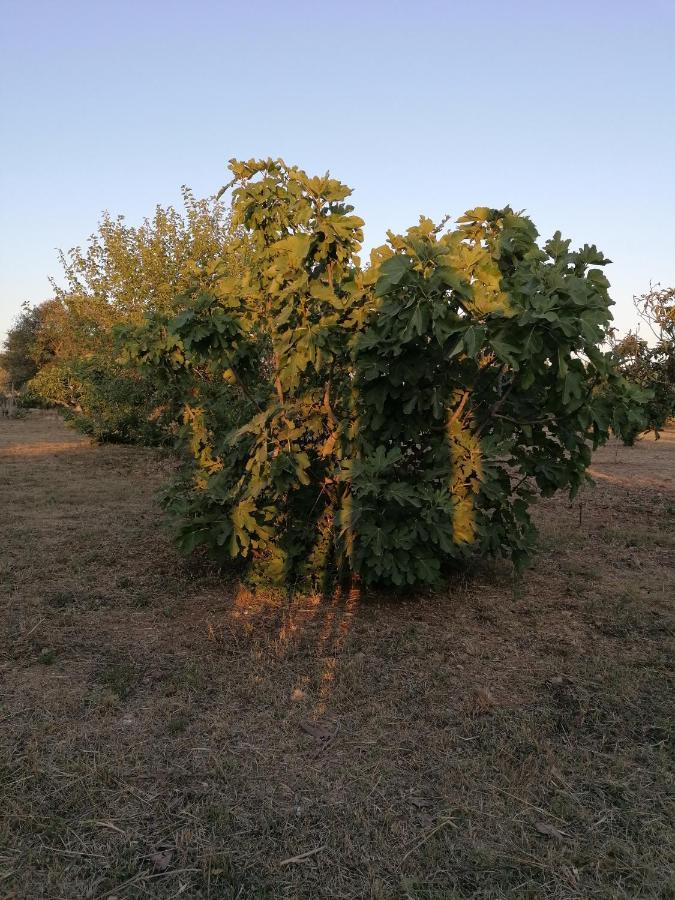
{"x":165,"y":733}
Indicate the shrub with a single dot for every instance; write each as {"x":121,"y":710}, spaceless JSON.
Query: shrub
{"x":652,"y":368}
{"x":123,"y":274}
{"x":392,"y":419}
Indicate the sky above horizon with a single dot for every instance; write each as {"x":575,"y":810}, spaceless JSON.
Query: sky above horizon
{"x":564,"y":110}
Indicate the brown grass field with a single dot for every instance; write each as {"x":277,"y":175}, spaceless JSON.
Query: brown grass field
{"x":166,"y":733}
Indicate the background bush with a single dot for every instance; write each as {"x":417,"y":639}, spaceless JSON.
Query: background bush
{"x":65,"y":352}
{"x":651,"y":365}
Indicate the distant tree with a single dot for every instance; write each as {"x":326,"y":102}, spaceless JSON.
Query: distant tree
{"x":657,"y":309}
{"x":126,"y":271}
{"x":22,"y":356}
{"x":648,"y":365}
{"x":122,"y":275}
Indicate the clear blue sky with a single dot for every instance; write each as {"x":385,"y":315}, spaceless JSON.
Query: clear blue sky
{"x":566,"y":110}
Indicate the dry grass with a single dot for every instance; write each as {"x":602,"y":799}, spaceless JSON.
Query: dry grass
{"x":166,"y":734}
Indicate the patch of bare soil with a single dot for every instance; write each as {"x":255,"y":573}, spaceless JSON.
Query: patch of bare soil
{"x":166,"y":733}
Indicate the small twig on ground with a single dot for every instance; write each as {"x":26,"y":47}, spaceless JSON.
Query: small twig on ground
{"x":31,"y":630}
{"x":104,"y":825}
{"x":544,"y":812}
{"x":429,"y":834}
{"x":73,"y":852}
{"x":301,"y":857}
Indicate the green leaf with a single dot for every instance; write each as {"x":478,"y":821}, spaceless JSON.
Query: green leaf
{"x":391,"y":272}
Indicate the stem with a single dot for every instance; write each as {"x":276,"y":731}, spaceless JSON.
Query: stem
{"x":244,"y":389}
{"x":279,"y":389}
{"x":457,"y":413}
{"x":326,"y":402}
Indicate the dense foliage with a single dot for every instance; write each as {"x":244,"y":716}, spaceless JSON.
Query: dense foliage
{"x":651,"y":365}
{"x":21,"y":356}
{"x":653,"y":369}
{"x":123,"y":274}
{"x":389,"y":419}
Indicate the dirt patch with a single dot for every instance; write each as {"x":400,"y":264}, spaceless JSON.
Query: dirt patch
{"x":167,"y":733}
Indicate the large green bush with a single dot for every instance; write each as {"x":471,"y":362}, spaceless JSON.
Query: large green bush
{"x":390,"y":419}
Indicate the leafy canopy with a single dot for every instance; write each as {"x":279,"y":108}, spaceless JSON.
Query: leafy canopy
{"x":392,"y":419}
{"x":123,"y":274}
{"x":651,"y":365}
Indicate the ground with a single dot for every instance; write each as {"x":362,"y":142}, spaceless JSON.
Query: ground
{"x":166,"y":733}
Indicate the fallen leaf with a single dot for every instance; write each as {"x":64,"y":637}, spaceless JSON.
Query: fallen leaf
{"x":320,"y":732}
{"x":421,"y":802}
{"x":161,"y":859}
{"x":298,"y":694}
{"x":483,"y":699}
{"x":559,"y":680}
{"x":549,"y":830}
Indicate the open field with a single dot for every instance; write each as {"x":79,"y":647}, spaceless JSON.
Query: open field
{"x":166,"y":734}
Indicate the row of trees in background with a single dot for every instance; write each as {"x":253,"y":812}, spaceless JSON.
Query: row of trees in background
{"x":389,"y":419}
